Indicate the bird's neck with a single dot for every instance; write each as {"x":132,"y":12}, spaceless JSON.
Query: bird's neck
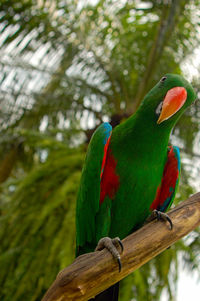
{"x":141,"y":134}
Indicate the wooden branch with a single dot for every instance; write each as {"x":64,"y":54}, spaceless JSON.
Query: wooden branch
{"x":91,"y":273}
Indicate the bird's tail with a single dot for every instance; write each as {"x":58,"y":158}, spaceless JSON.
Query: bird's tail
{"x":110,"y":294}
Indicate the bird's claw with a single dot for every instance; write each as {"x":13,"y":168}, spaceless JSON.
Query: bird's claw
{"x":156,"y":214}
{"x":117,"y":242}
{"x":111,"y":245}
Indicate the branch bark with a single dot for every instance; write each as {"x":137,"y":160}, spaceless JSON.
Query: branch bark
{"x":92,"y":273}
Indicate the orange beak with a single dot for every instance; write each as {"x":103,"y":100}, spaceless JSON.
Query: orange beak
{"x":173,"y":101}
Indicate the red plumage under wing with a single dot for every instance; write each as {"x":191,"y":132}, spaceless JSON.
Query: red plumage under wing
{"x":166,"y":191}
{"x":104,"y":156}
{"x":109,"y":179}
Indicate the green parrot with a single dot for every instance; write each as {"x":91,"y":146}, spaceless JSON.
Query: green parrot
{"x":130,"y":172}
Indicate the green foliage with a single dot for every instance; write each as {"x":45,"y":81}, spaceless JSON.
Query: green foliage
{"x":37,"y":224}
{"x":148,"y":282}
{"x":94,"y":57}
{"x":65,"y":67}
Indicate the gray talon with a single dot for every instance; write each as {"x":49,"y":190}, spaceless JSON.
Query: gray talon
{"x":111,"y":246}
{"x":121,"y":245}
{"x":156,"y":214}
{"x":117,"y":242}
{"x":119,"y":264}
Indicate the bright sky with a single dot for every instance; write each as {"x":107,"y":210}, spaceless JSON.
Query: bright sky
{"x":188,"y":286}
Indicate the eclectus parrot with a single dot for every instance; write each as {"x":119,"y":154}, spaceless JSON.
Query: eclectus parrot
{"x":131,"y":171}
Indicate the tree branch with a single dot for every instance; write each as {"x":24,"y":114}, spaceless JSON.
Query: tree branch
{"x":92,"y":273}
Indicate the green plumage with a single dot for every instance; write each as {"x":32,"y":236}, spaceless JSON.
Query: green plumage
{"x":89,"y":192}
{"x":138,"y":147}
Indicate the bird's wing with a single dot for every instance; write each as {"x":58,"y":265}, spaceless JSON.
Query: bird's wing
{"x":167,"y":190}
{"x":88,"y":201}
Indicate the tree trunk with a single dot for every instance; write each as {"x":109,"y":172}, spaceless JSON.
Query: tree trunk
{"x":167,"y":22}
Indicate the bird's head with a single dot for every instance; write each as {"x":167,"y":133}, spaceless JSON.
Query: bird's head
{"x":169,"y":99}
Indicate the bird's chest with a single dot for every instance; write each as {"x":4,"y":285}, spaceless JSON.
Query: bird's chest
{"x":130,"y":176}
{"x":139,"y":179}
{"x":131,"y":183}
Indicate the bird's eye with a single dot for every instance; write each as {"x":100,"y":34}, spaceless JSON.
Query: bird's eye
{"x":163,"y":79}
{"x":159,"y":108}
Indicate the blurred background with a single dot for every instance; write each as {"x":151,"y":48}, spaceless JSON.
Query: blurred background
{"x":65,"y":67}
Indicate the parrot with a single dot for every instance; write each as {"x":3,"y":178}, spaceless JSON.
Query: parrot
{"x":130,"y":172}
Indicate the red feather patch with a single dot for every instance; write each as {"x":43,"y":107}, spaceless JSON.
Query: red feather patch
{"x":166,"y":190}
{"x":105,"y":156}
{"x":109,"y":180}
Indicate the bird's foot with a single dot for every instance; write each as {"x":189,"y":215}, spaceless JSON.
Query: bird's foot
{"x":111,"y":245}
{"x":160,"y":216}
